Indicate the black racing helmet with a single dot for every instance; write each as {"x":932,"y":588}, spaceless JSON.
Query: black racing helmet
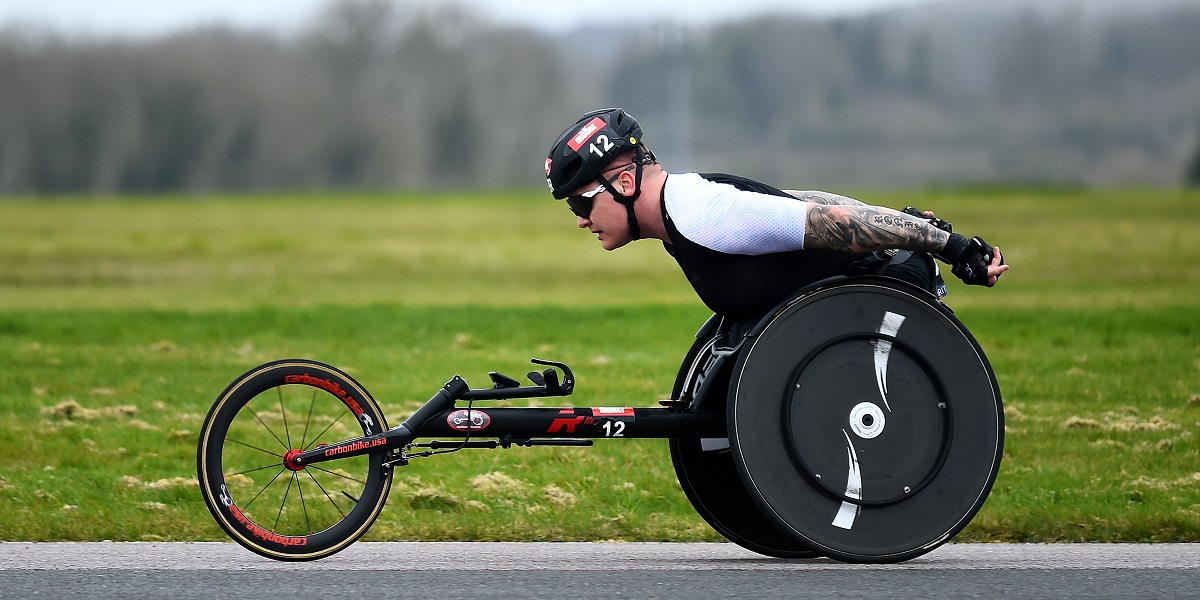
{"x":582,"y":152}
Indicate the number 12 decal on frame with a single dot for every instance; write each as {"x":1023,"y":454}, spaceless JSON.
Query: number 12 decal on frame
{"x":613,"y":427}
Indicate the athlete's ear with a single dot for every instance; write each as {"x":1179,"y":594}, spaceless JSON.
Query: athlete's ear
{"x":627,"y":181}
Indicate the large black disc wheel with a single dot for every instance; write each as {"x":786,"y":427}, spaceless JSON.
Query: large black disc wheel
{"x":707,"y":474}
{"x":257,"y":495}
{"x":866,"y":421}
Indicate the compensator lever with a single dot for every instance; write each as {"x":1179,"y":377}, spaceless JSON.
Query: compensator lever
{"x":551,"y":377}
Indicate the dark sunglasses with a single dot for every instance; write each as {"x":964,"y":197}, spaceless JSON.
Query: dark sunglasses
{"x":582,"y":204}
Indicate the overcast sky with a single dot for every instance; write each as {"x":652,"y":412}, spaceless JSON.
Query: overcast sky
{"x":150,"y":17}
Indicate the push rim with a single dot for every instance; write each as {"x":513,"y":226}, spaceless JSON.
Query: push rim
{"x":711,"y":482}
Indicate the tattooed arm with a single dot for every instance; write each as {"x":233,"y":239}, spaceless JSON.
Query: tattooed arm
{"x":823,"y":198}
{"x":841,"y":223}
{"x":861,"y":228}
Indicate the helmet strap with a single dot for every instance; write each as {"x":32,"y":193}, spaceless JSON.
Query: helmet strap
{"x":635,"y":230}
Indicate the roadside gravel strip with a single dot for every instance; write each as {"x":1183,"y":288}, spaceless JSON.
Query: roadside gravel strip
{"x":580,"y":556}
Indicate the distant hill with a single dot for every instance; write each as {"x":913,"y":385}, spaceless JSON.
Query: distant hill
{"x":1092,"y":9}
{"x":1060,"y":92}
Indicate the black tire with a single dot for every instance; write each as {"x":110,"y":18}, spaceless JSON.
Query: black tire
{"x":711,"y":481}
{"x":817,"y":450}
{"x":263,"y":505}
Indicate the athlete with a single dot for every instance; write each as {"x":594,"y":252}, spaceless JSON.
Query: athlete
{"x":746,"y":246}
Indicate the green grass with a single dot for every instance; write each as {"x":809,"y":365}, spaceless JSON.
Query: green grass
{"x":213,"y":253}
{"x":1070,"y":249}
{"x":143,"y":380}
{"x":121,"y":320}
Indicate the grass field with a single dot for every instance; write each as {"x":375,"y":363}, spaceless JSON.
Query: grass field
{"x":122,"y":319}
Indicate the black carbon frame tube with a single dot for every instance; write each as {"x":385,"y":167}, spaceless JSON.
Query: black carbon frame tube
{"x":441,"y":401}
{"x":578,"y":422}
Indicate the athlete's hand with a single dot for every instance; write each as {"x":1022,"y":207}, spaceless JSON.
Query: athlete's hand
{"x":973,"y":260}
{"x":996,"y":267}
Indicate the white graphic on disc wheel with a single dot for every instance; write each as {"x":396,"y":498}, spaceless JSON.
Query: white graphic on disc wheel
{"x":848,"y":511}
{"x":883,"y":349}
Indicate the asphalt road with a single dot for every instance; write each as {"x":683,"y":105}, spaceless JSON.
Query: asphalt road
{"x":591,"y":570}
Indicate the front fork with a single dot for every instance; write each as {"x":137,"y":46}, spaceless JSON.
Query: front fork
{"x":396,"y":438}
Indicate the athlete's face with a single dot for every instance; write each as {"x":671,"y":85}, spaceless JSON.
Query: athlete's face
{"x":607,"y":218}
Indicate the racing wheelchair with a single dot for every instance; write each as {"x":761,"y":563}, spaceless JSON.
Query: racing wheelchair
{"x":859,"y":420}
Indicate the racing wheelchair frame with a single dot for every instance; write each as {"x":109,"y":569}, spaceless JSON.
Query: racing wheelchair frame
{"x":859,"y":420}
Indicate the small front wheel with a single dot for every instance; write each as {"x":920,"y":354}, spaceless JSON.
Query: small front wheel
{"x":257,"y":495}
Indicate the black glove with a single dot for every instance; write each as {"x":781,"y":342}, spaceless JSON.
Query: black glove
{"x":969,"y":258}
{"x":936,"y":222}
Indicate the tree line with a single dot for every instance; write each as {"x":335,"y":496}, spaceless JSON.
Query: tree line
{"x":380,"y":95}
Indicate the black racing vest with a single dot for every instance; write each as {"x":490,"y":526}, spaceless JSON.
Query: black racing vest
{"x":742,"y":286}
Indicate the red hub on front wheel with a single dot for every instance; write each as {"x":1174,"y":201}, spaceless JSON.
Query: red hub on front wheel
{"x":289,"y":459}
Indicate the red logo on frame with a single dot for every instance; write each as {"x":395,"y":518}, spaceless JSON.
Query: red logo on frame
{"x":612,"y":411}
